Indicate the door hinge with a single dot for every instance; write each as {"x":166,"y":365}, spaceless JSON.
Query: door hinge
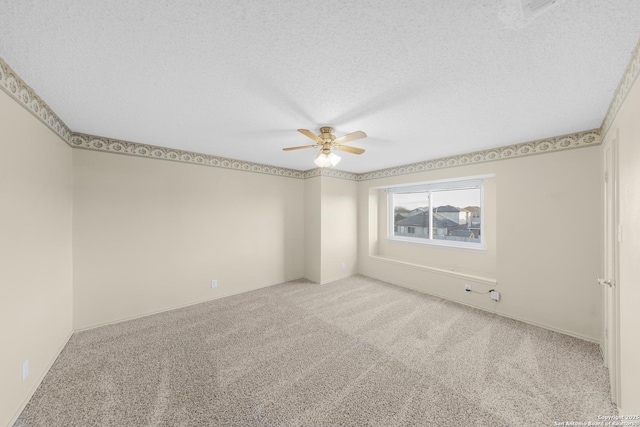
{"x":606,"y":177}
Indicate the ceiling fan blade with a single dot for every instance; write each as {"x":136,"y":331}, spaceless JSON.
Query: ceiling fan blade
{"x":299,"y":147}
{"x":352,"y":150}
{"x":311,"y":135}
{"x":350,"y":137}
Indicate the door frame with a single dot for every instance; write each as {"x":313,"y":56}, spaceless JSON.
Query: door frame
{"x":611,"y":291}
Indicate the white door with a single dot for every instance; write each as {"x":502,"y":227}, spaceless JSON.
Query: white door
{"x":610,"y":282}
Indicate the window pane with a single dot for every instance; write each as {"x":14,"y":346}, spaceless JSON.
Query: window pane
{"x":457,"y":215}
{"x":411,"y":215}
{"x":444,"y":213}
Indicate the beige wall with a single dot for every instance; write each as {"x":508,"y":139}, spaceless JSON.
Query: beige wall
{"x":150,"y":235}
{"x":543,"y":234}
{"x":312,"y":224}
{"x":627,"y":128}
{"x":330,"y":229}
{"x":35,"y":252}
{"x":339,"y":229}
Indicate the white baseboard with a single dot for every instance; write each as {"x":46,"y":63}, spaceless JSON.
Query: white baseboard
{"x":601,"y":352}
{"x":39,"y":381}
{"x":324,"y":282}
{"x":551,"y":328}
{"x":177,"y":307}
{"x":520,"y":319}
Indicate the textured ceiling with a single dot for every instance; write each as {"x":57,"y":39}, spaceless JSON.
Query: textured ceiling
{"x":424,"y":79}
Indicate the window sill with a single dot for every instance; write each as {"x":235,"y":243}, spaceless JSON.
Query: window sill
{"x":447,"y":244}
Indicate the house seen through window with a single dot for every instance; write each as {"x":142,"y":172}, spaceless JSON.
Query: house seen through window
{"x":448,"y":213}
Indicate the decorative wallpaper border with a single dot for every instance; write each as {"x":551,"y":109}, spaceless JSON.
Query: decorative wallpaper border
{"x":97,"y":143}
{"x":333,"y":173}
{"x":16,"y":88}
{"x":628,"y":78}
{"x":547,"y":145}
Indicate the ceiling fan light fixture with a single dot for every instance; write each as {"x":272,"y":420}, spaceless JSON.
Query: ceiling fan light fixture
{"x":326,"y":160}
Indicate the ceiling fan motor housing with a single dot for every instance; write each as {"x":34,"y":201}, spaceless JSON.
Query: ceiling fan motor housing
{"x":326,"y":133}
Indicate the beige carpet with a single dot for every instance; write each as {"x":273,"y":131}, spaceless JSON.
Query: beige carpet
{"x":350,"y":353}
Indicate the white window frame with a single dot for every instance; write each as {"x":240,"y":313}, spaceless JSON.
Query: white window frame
{"x":430,"y":187}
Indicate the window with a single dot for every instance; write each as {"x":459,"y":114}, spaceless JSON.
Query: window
{"x":442,"y":213}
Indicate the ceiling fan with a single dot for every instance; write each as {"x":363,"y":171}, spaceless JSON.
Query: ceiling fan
{"x":327,"y":141}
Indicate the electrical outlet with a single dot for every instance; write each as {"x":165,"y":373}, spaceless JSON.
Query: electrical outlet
{"x":467,"y":288}
{"x":344,"y":266}
{"x":495,"y":295}
{"x":25,"y":370}
{"x":214,"y":283}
